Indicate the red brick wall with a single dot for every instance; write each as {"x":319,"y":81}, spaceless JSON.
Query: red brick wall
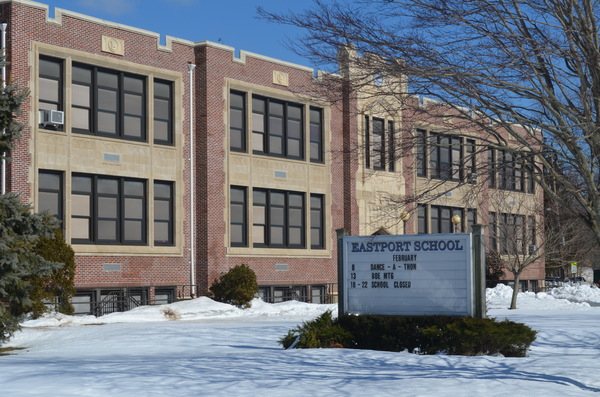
{"x":27,"y":24}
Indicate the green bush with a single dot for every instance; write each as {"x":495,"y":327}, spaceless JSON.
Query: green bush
{"x":59,"y":286}
{"x":237,"y":287}
{"x":320,"y":332}
{"x":416,"y":334}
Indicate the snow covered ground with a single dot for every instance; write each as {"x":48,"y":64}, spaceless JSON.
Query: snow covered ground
{"x":205,"y":348}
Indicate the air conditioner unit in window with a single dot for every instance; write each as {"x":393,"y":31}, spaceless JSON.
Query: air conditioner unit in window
{"x":473,"y":177}
{"x":52,"y":117}
{"x":532,"y":249}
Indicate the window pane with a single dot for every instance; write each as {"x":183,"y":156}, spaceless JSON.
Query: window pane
{"x":277,"y":198}
{"x":315,"y":238}
{"x":277,"y":216}
{"x":258,"y":122}
{"x":108,"y":79}
{"x":80,"y":118}
{"x":80,"y":205}
{"x":161,"y":232}
{"x":50,"y":67}
{"x":162,"y":89}
{"x":258,"y":234}
{"x":161,"y":108}
{"x":276,"y":145}
{"x":107,"y":207}
{"x":162,"y":190}
{"x":49,"y":202}
{"x":80,"y":95}
{"x":49,"y":180}
{"x":107,"y":122}
{"x":236,"y":118}
{"x":82,"y":74}
{"x":107,"y":230}
{"x":133,"y":104}
{"x":133,"y":230}
{"x":275,"y":126}
{"x":276,"y":235}
{"x":259,"y":214}
{"x":49,"y":90}
{"x":161,"y":130}
{"x":276,"y":109}
{"x":134,"y":208}
{"x":295,"y":236}
{"x":134,"y":84}
{"x":107,"y":100}
{"x":237,"y":234}
{"x":237,"y":213}
{"x":81,"y":184}
{"x":132,"y":126}
{"x":162,"y":210}
{"x":80,"y":228}
{"x":294,"y":129}
{"x":110,"y":186}
{"x":295,"y":216}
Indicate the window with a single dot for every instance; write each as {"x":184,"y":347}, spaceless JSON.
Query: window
{"x":278,"y":219}
{"x":50,"y":193}
{"x":491,"y":168}
{"x":109,"y":103}
{"x":163,"y":213}
{"x":163,"y":112}
{"x":508,"y":171}
{"x":422,"y":219}
{"x":441,"y":219}
{"x":316,"y":135}
{"x":445,"y":157}
{"x":50,"y":84}
{"x":421,"y":144}
{"x":238,"y":217}
{"x":470,"y":165}
{"x":531,"y":235}
{"x":237,"y":121}
{"x":512,"y":234}
{"x":317,"y":239}
{"x":492,"y":226}
{"x":277,"y":128}
{"x":378,"y":151}
{"x":108,"y":210}
{"x":379,"y":146}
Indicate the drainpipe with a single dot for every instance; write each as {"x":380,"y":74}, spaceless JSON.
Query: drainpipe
{"x":191,"y":68}
{"x":3,"y":49}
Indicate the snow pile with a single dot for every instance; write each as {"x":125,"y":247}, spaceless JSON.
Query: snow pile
{"x":577,"y":293}
{"x":575,"y":297}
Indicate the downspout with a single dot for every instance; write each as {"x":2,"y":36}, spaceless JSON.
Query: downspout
{"x":3,"y":52}
{"x":191,"y":68}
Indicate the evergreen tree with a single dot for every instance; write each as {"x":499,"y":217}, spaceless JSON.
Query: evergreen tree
{"x":20,"y":232}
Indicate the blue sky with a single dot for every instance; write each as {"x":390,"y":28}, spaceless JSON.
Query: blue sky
{"x":231,"y":22}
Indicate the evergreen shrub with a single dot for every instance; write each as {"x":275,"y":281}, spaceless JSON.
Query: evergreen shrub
{"x":59,"y":286}
{"x":320,"y":332}
{"x":416,"y":334}
{"x":237,"y":287}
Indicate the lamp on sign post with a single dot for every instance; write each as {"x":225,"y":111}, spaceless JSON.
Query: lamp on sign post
{"x":404,"y":216}
{"x":455,"y":221}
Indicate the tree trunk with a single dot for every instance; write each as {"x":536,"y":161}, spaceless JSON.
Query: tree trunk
{"x":513,"y":300}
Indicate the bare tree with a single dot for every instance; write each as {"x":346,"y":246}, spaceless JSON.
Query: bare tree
{"x":527,"y":72}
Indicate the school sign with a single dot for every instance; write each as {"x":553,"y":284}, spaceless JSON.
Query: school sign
{"x":408,"y":275}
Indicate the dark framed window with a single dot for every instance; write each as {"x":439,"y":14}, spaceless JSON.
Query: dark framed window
{"x":163,"y":112}
{"x":237,"y":121}
{"x":238,"y":229}
{"x":421,"y":148}
{"x":50,"y":192}
{"x":391,"y":146}
{"x":441,"y":219}
{"x":50,"y":83}
{"x":164,"y":213}
{"x":278,"y":219}
{"x":422,"y":219}
{"x":445,"y":157}
{"x":531,"y":235}
{"x":491,"y":168}
{"x":367,"y":142}
{"x":317,"y":221}
{"x":512,"y":234}
{"x":108,"y":210}
{"x":316,"y":135}
{"x":493,"y":231}
{"x":378,"y":146}
{"x":108,"y":102}
{"x":470,"y":165}
{"x":277,"y":128}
